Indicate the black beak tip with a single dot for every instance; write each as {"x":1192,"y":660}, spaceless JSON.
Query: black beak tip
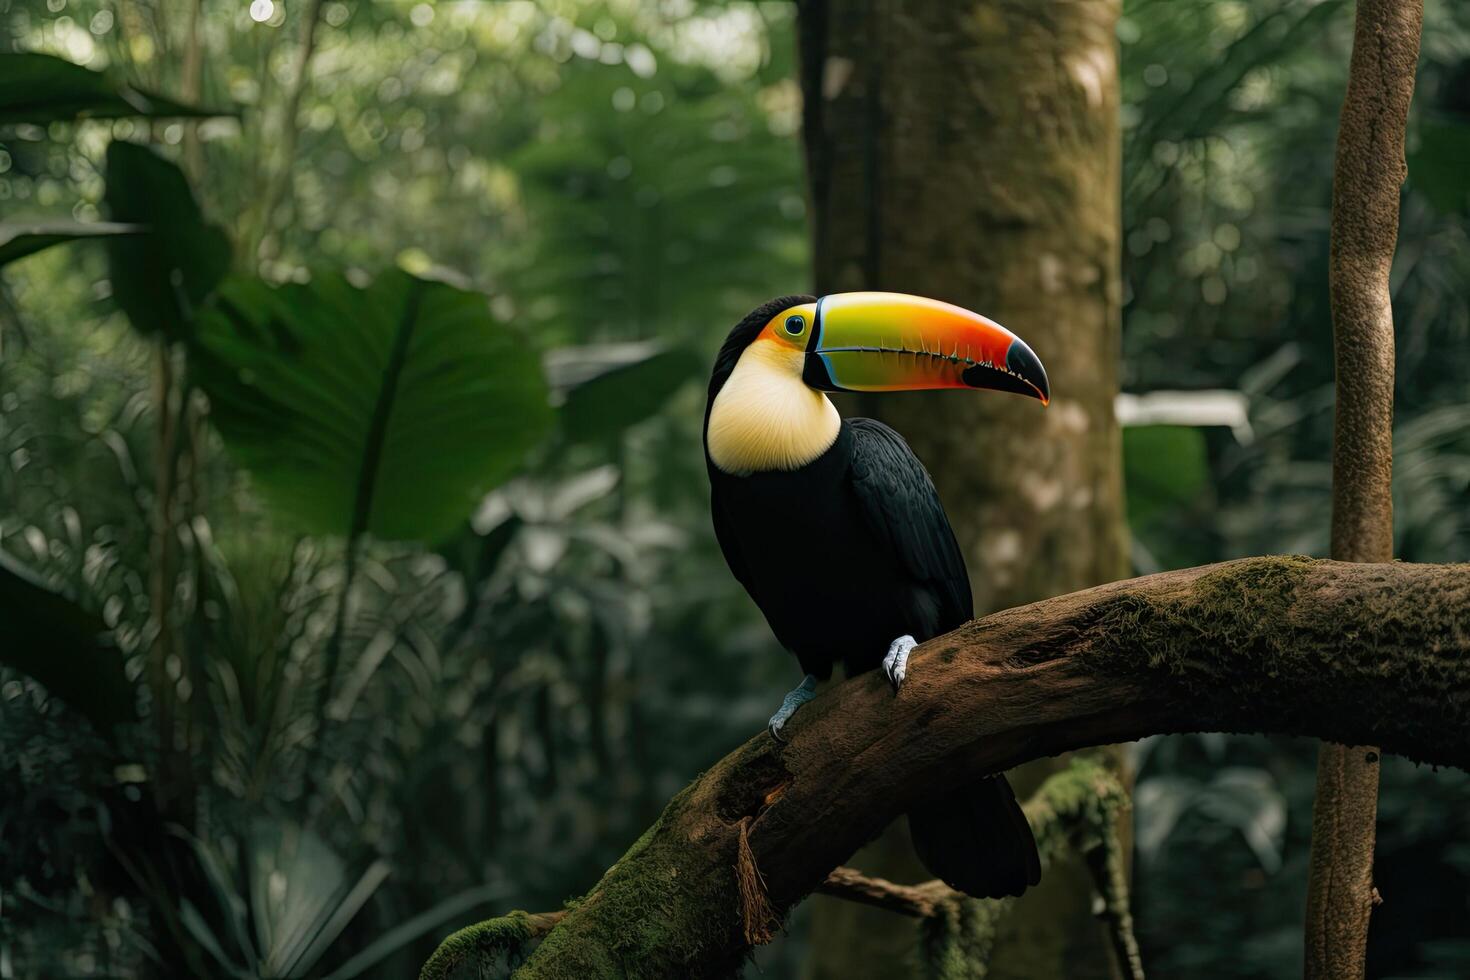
{"x":1023,"y":362}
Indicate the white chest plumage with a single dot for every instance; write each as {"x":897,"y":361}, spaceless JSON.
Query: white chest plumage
{"x":766,"y":418}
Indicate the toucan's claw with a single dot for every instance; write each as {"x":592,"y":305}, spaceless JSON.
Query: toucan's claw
{"x":896,"y":664}
{"x":798,"y":697}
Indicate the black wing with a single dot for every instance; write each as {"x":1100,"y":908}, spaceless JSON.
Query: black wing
{"x":728,"y":540}
{"x":903,"y":511}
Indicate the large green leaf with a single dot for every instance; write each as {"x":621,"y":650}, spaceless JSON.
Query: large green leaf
{"x":51,"y":638}
{"x":610,"y":387}
{"x":19,"y":239}
{"x":41,"y":89}
{"x":160,"y":277}
{"x":390,"y":408}
{"x":1164,"y":466}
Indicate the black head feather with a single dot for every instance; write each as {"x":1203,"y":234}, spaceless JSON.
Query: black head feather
{"x":745,"y":331}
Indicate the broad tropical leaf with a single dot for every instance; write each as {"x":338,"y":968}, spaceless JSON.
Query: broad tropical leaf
{"x":610,"y":387}
{"x":19,"y":239}
{"x":300,"y":895}
{"x":41,"y":89}
{"x":390,"y":408}
{"x":160,"y":277}
{"x":49,"y":637}
{"x":297,"y":892}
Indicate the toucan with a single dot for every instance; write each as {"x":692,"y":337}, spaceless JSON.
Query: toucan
{"x":834,"y":528}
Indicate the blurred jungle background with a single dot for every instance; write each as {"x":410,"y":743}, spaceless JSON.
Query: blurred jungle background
{"x":342,"y":717}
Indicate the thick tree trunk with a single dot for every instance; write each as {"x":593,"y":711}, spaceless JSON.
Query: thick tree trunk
{"x":1365,"y":219}
{"x":969,"y":151}
{"x":1354,"y":653}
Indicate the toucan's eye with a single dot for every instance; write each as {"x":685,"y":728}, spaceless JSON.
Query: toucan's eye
{"x":795,"y":325}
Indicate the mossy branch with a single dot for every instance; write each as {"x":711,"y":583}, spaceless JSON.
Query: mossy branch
{"x":918,"y":901}
{"x":504,"y":937}
{"x":1353,"y":653}
{"x":1074,"y":811}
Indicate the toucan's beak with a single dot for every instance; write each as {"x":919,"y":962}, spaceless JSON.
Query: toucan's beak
{"x":896,"y":342}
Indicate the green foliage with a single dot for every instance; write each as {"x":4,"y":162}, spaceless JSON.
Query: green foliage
{"x":18,"y":240}
{"x":1437,"y":166}
{"x":41,"y":88}
{"x":1198,"y":106}
{"x":611,"y":175}
{"x":525,"y":674}
{"x":1074,"y":812}
{"x":1164,"y":467}
{"x":389,"y":408}
{"x":636,"y":918}
{"x":655,"y":202}
{"x":1244,"y":798}
{"x":604,"y":399}
{"x":955,"y":942}
{"x":430,"y":920}
{"x":293,"y":900}
{"x":483,"y":943}
{"x":158,"y":278}
{"x":1225,"y":220}
{"x":52,"y":639}
{"x":475,"y":556}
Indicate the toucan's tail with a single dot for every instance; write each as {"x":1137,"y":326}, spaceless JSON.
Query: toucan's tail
{"x":976,"y":839}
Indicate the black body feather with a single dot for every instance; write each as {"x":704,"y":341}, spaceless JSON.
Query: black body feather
{"x":843,"y":556}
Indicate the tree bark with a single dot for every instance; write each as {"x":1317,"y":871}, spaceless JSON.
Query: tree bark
{"x":1369,"y":169}
{"x":1354,"y":653}
{"x":970,"y":151}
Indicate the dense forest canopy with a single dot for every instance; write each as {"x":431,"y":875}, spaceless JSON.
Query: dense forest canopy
{"x":533,"y":640}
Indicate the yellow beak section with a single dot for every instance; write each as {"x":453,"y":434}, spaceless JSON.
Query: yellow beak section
{"x":897,"y":342}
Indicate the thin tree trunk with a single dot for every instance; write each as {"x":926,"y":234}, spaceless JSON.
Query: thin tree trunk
{"x":969,"y":151}
{"x":1365,"y":217}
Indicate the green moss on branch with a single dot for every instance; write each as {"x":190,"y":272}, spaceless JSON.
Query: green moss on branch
{"x":1353,"y":653}
{"x":482,"y":944}
{"x":1074,"y":812}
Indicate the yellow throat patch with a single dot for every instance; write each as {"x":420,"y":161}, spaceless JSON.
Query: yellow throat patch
{"x":766,"y":418}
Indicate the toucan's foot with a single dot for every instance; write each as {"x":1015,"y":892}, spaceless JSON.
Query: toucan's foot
{"x":896,"y":664}
{"x":798,"y":697}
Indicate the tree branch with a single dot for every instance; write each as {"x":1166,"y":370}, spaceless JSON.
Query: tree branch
{"x":1075,"y":812}
{"x":1348,"y":652}
{"x":918,"y":901}
{"x":502,"y":937}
